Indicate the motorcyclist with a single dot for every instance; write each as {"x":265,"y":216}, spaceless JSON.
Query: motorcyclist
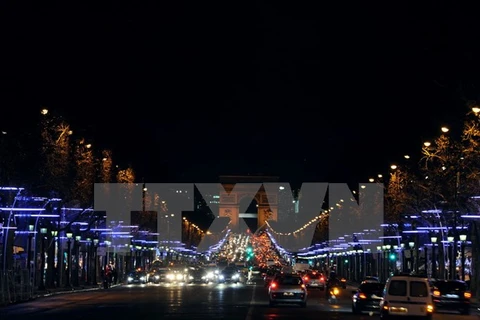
{"x":332,"y":282}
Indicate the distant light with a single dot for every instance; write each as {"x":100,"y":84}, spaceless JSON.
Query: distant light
{"x":371,"y":180}
{"x":476,"y":109}
{"x":393,"y":167}
{"x":88,"y":146}
{"x":4,"y":132}
{"x":445,"y":129}
{"x":281,"y":188}
{"x":427,"y":144}
{"x":406,"y":156}
{"x":44,"y":111}
{"x":380,"y":175}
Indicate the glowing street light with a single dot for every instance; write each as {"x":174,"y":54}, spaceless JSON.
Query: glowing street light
{"x":427,"y":144}
{"x":476,"y":110}
{"x":44,"y":111}
{"x":445,"y":129}
{"x":393,"y":167}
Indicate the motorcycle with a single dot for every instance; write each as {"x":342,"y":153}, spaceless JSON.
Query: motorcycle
{"x":333,"y":294}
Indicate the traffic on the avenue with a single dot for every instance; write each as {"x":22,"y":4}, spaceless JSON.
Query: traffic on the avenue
{"x":249,"y":279}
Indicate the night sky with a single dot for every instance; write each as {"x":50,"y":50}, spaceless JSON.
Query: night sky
{"x":189,"y":91}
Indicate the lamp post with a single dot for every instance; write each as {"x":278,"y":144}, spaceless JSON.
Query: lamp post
{"x":69,"y":258}
{"x":463,"y":238}
{"x":411,"y":245}
{"x":434,"y":259}
{"x":379,"y":256}
{"x":76,"y":266}
{"x":52,"y":268}
{"x":95,"y":262}
{"x":43,"y":232}
{"x":451,"y":257}
{"x":31,"y":232}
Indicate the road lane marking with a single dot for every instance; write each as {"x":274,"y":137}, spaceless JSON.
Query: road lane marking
{"x":252,"y":305}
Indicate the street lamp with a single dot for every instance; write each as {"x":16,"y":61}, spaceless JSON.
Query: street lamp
{"x":69,"y":258}
{"x":76,"y":251}
{"x":411,"y":245}
{"x":452,"y":257}
{"x":31,"y":232}
{"x":43,"y":232}
{"x":434,"y":259}
{"x":463,"y":238}
{"x":95,"y":246}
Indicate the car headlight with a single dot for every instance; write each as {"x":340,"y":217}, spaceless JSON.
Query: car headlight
{"x":236,"y":276}
{"x":157,"y":277}
{"x":142,"y":278}
{"x":179,"y":277}
{"x":129,"y":279}
{"x":170,"y":276}
{"x":336,"y":291}
{"x":210,"y":275}
{"x":190,"y":277}
{"x":221,"y":277}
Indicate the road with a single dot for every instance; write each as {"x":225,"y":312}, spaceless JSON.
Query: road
{"x":214,"y":301}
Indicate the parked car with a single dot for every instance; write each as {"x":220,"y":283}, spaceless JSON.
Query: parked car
{"x":451,"y":295}
{"x":367,"y":297}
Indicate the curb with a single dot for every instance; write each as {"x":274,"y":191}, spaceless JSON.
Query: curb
{"x":72,"y":291}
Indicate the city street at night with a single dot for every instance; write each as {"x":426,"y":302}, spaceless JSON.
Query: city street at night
{"x":214,"y":301}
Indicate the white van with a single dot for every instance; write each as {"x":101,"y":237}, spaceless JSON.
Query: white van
{"x":406,"y":296}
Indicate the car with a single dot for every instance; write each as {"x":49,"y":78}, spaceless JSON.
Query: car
{"x":287,"y":289}
{"x":158,"y":275}
{"x":451,"y":295}
{"x":175,"y":276}
{"x":406,"y":296}
{"x":369,"y":279}
{"x":229,"y":275}
{"x":314,"y":280}
{"x":197,"y":275}
{"x":269,"y":276}
{"x":137,"y":277}
{"x":367,"y":297}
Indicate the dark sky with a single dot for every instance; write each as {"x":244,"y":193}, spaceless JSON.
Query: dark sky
{"x":193,"y":90}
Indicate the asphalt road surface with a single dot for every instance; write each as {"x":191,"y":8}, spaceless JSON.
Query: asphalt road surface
{"x":214,"y":301}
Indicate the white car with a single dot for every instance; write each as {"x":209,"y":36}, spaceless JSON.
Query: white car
{"x":406,"y":296}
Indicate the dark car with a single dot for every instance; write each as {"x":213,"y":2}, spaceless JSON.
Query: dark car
{"x":158,"y":275}
{"x":139,"y":277}
{"x":197,"y":275}
{"x":229,"y":274}
{"x":367,"y":297}
{"x":451,"y":295}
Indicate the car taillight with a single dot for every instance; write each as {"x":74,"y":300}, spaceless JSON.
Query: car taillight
{"x":273,"y":285}
{"x":362,"y":296}
{"x":467,"y":295}
{"x":305,"y":278}
{"x":436,"y":293}
{"x":322,"y":279}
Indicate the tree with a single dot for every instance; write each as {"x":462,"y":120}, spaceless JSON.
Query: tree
{"x":84,"y":174}
{"x":56,"y":151}
{"x":106,"y":167}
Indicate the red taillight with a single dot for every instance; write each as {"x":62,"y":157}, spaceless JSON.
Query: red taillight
{"x":305,"y":278}
{"x":273,"y":285}
{"x":322,"y":279}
